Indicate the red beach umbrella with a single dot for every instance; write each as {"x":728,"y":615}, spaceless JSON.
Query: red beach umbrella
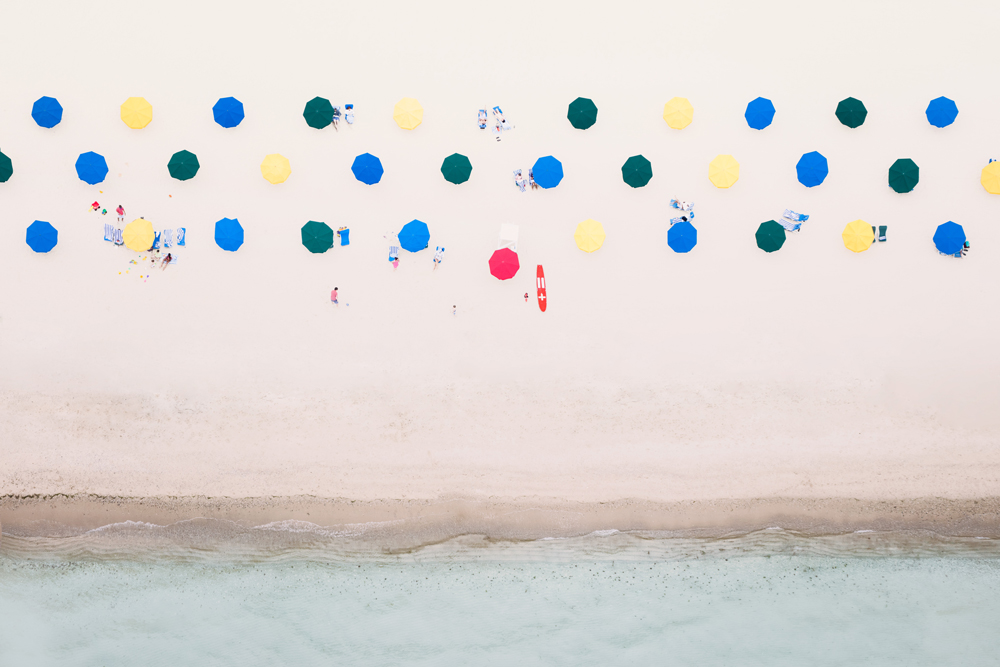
{"x":504,"y":264}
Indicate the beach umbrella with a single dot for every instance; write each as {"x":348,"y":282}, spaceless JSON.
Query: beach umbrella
{"x":276,"y":168}
{"x":318,"y":112}
{"x":137,"y":112}
{"x":228,"y":112}
{"x":723,"y":171}
{"x":582,"y":113}
{"x":770,"y":236}
{"x":858,"y":236}
{"x":504,"y":264}
{"x":6,"y":168}
{"x":367,"y":168}
{"x":682,"y":236}
{"x":41,"y":236}
{"x":949,"y":238}
{"x":547,"y":171}
{"x":47,"y":111}
{"x":759,"y":113}
{"x":229,"y":234}
{"x":317,"y":236}
{"x":851,"y":112}
{"x":678,"y":113}
{"x":408,"y":113}
{"x":414,"y":236}
{"x":904,"y":174}
{"x":456,"y":168}
{"x":91,"y":167}
{"x":139,"y":235}
{"x":941,"y":112}
{"x":183,"y":165}
{"x":637,"y":171}
{"x":990,"y":177}
{"x":589,"y":235}
{"x":812,"y":169}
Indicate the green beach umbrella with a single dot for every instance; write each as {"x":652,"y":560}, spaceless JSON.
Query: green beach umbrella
{"x":317,"y":236}
{"x":456,"y":168}
{"x":6,"y":168}
{"x":637,"y":171}
{"x":851,"y":112}
{"x":904,"y":174}
{"x":183,"y":165}
{"x":582,"y":113}
{"x":770,"y":236}
{"x":318,"y":112}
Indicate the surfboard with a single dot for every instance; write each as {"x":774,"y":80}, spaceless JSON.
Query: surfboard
{"x":540,"y":284}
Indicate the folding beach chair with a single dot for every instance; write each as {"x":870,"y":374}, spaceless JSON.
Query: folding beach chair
{"x":881,"y":232}
{"x":109,"y":233}
{"x":119,"y":238}
{"x":345,"y":236}
{"x":508,"y":237}
{"x":503,"y":121}
{"x":393,"y":252}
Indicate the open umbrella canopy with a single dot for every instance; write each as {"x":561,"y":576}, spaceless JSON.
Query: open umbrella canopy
{"x":941,"y":112}
{"x":637,"y":171}
{"x":759,"y":113}
{"x":47,"y":111}
{"x":504,"y":264}
{"x":318,"y":112}
{"x":990,"y":177}
{"x":228,"y":112}
{"x":367,"y":168}
{"x":904,"y":174}
{"x":229,"y":234}
{"x":41,"y":236}
{"x":408,"y":113}
{"x":183,"y":165}
{"x":6,"y":168}
{"x":414,"y":236}
{"x":858,"y":236}
{"x":723,"y":171}
{"x":582,"y":113}
{"x":812,"y":169}
{"x":770,"y":236}
{"x":91,"y":167}
{"x":317,"y":237}
{"x":547,"y":171}
{"x":682,"y":236}
{"x":678,"y":113}
{"x":851,"y":112}
{"x":139,"y":235}
{"x":276,"y":168}
{"x":456,"y":168}
{"x":137,"y":113}
{"x":589,"y":235}
{"x":949,"y":238}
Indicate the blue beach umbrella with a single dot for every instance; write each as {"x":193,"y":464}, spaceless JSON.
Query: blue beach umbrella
{"x":47,"y":111}
{"x":759,"y":113}
{"x":91,"y":167}
{"x":228,"y":112}
{"x":941,"y":112}
{"x":367,"y":168}
{"x":41,"y":236}
{"x":812,"y":169}
{"x":547,"y":171}
{"x":229,"y":234}
{"x":949,"y":238}
{"x":682,"y":236}
{"x":414,"y":236}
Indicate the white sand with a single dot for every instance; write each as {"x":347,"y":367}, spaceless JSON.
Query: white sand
{"x":726,"y":373}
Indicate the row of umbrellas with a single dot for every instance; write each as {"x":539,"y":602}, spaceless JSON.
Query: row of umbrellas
{"x":858,"y":236}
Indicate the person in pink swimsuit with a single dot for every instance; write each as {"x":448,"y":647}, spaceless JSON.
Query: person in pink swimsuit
{"x":333,"y":297}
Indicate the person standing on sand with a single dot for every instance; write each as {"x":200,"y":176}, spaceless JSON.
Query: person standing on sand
{"x":121,"y":213}
{"x":454,"y":310}
{"x":526,"y":297}
{"x":333,"y":297}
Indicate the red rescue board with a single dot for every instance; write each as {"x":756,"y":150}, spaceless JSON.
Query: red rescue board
{"x":540,"y":284}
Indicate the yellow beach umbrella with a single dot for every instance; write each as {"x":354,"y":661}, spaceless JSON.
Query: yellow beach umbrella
{"x":138,"y":235}
{"x":276,"y":168}
{"x":589,"y":235}
{"x":408,"y":113}
{"x":723,"y":171}
{"x":678,"y":113}
{"x":991,"y":178}
{"x":137,"y":113}
{"x":858,"y":236}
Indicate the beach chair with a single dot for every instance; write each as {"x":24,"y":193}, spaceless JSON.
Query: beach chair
{"x":345,"y":236}
{"x":119,"y":237}
{"x":508,"y":237}
{"x":393,"y":252}
{"x":349,"y":113}
{"x":881,"y":232}
{"x":531,"y":180}
{"x":109,"y":233}
{"x":874,"y":234}
{"x":519,"y":180}
{"x":482,"y":119}
{"x":503,"y":121}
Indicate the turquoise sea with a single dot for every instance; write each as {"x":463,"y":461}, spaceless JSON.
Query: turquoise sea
{"x":136,"y":597}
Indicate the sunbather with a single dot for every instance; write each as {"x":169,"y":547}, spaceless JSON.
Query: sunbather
{"x":531,"y":179}
{"x":336,"y":117}
{"x":482,"y":119}
{"x":503,"y":121}
{"x":166,"y":260}
{"x":349,"y":113}
{"x":519,"y":180}
{"x":497,"y":130}
{"x":438,"y":256}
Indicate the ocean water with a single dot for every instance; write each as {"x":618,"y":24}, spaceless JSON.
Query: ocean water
{"x":767,"y":598}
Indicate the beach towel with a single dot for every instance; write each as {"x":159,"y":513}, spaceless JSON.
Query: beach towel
{"x":681,"y":205}
{"x":393,"y":252}
{"x":181,"y":234}
{"x":345,"y":236}
{"x":156,"y":241}
{"x":518,"y":180}
{"x":482,"y":119}
{"x":119,"y":237}
{"x":109,"y":233}
{"x":674,"y":221}
{"x":168,"y":238}
{"x":438,"y":254}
